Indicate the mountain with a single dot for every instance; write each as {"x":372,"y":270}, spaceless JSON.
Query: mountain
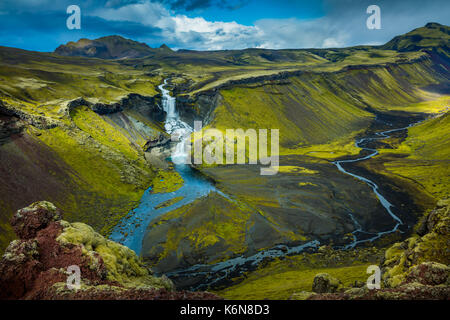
{"x":164,"y":47}
{"x":111,"y":47}
{"x":432,"y":35}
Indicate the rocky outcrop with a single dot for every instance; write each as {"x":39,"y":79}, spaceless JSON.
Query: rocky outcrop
{"x":429,"y":244}
{"x":324,"y":283}
{"x":37,"y":121}
{"x":9,"y":125}
{"x":131,"y":101}
{"x":161,"y":140}
{"x":417,"y":268}
{"x":198,"y":108}
{"x":426,"y":281}
{"x":36,"y":265}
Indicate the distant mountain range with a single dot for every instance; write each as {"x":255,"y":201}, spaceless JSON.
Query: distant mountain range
{"x":432,"y":35}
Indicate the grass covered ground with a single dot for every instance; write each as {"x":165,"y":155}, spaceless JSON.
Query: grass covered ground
{"x":423,"y":157}
{"x":280,"y":278}
{"x":281,"y":285}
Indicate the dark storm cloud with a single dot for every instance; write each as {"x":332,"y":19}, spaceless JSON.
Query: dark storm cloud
{"x":190,"y":5}
{"x":54,"y":22}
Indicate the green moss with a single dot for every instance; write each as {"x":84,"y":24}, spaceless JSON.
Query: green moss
{"x":304,"y":111}
{"x":122,"y":264}
{"x":206,"y":222}
{"x":282,"y":277}
{"x":93,"y":124}
{"x":296,"y":170}
{"x":168,"y":202}
{"x":110,"y":177}
{"x":48,"y":81}
{"x":425,"y":155}
{"x":402,"y":257}
{"x":166,"y":181}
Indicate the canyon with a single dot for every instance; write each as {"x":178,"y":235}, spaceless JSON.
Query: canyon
{"x":363,"y":154}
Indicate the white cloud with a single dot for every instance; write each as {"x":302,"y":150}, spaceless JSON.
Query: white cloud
{"x":198,"y":33}
{"x":195,"y":33}
{"x":213,"y":35}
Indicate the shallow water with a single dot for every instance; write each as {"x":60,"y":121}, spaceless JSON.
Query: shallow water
{"x":131,"y":230}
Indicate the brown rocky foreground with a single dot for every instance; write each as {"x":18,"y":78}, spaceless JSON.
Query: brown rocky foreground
{"x":414,"y":269}
{"x":36,"y":265}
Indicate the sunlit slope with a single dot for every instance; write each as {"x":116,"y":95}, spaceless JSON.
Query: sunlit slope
{"x":41,"y":82}
{"x":424,"y":157}
{"x":305,"y":112}
{"x":81,"y":161}
{"x":84,"y":166}
{"x":317,"y":108}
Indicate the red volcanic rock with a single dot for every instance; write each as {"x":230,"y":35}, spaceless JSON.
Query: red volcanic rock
{"x":429,"y":273}
{"x":28,"y":221}
{"x":34,"y":267}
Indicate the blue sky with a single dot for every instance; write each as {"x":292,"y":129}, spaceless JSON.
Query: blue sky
{"x":215,"y":24}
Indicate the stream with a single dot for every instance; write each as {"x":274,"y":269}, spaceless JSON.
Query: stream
{"x":131,"y":230}
{"x":384,"y":202}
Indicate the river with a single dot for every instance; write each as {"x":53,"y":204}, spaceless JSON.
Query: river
{"x":131,"y":230}
{"x":361,"y":143}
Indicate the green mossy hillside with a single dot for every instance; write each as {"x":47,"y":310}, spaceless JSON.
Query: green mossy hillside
{"x":214,"y":225}
{"x":43,"y":82}
{"x":423,"y":157}
{"x":108,"y":167}
{"x":322,"y":113}
{"x":432,"y":36}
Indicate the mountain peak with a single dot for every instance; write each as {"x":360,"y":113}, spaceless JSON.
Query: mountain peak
{"x":109,"y":47}
{"x":433,"y":25}
{"x":165,"y":47}
{"x":432,"y":35}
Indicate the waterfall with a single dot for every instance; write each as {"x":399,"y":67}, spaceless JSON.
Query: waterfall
{"x":179,"y":130}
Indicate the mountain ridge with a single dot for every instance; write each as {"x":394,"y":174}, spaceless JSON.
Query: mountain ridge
{"x":432,"y":35}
